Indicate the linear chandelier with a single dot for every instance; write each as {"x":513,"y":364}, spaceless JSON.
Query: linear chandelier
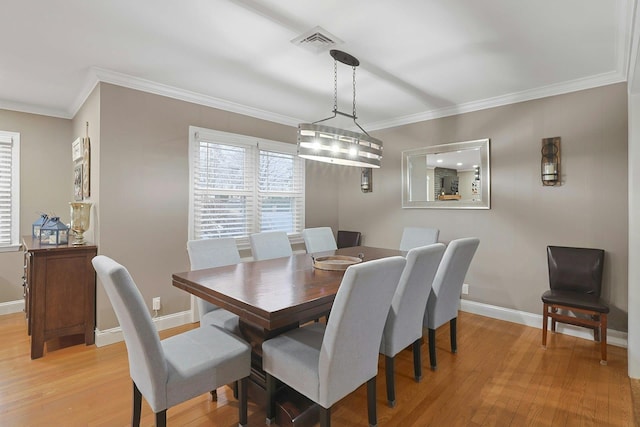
{"x":334,"y":145}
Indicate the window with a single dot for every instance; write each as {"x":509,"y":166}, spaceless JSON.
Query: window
{"x":9,"y":191}
{"x":242,"y":185}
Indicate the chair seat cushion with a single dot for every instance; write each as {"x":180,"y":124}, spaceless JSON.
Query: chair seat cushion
{"x":576,"y":300}
{"x":293,"y":357}
{"x":201,"y":360}
{"x":223,"y":319}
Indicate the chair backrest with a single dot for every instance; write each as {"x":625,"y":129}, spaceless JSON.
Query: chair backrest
{"x":413,"y":237}
{"x":444,"y":298}
{"x":349,"y":353}
{"x":269,"y":245}
{"x":404,"y":321}
{"x":147,"y":364}
{"x":319,"y":239}
{"x":210,"y":253}
{"x":575,"y":269}
{"x":348,"y":239}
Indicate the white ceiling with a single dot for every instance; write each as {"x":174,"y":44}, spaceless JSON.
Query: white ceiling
{"x":420,"y":59}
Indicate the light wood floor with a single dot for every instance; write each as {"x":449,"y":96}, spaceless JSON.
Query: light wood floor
{"x":500,"y":377}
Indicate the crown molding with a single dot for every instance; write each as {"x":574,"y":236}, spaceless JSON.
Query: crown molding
{"x":124,"y":80}
{"x":33,"y":109}
{"x":498,"y":101}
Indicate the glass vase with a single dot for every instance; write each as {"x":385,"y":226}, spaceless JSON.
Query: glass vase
{"x":80,"y":215}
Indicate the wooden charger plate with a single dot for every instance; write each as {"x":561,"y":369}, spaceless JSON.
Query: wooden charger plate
{"x":335,"y":262}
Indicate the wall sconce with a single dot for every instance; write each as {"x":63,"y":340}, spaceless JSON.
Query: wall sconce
{"x":366,"y":180}
{"x":550,"y":164}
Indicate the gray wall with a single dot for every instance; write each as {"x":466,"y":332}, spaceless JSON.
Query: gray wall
{"x":140,"y":177}
{"x":589,"y":209}
{"x":46,"y":183}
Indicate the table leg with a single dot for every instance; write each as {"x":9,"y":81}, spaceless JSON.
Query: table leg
{"x":292,"y":409}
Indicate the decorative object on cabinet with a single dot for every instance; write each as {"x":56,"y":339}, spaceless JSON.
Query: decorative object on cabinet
{"x":80,"y":221}
{"x":54,"y":232}
{"x":550,"y":163}
{"x":60,"y":291}
{"x":334,"y":145}
{"x":366,"y":180}
{"x":35,"y":227}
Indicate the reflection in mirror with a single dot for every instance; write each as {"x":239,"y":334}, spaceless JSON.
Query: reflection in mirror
{"x":447,"y":176}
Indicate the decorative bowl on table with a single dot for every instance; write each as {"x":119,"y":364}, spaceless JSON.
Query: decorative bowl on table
{"x":335,"y":262}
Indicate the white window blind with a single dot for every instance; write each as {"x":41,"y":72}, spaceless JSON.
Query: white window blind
{"x":241,"y":185}
{"x":9,"y":190}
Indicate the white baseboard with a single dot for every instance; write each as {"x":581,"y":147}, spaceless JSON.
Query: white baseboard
{"x":11,"y":307}
{"x":114,"y":335}
{"x":617,"y":338}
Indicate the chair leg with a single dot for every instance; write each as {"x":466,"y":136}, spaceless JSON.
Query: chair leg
{"x":417,"y":360}
{"x":242,"y":400}
{"x":553,"y":320}
{"x":235,"y":389}
{"x":161,"y":419}
{"x":432,"y":349}
{"x":271,"y":398}
{"x":596,"y":330}
{"x":391,"y":386}
{"x":545,"y":322}
{"x":214,"y":395}
{"x":453,"y":334}
{"x":603,"y":339}
{"x":325,"y":417}
{"x":137,"y":406}
{"x":371,"y":402}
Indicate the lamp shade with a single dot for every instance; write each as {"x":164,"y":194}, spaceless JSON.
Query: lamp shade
{"x":338,"y":146}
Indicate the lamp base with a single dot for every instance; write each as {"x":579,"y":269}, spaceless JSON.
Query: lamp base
{"x":79,"y":239}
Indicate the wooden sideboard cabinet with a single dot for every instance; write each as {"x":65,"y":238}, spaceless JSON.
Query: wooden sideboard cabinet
{"x":59,"y":291}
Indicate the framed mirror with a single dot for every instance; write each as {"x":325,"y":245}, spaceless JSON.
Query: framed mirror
{"x":447,"y":176}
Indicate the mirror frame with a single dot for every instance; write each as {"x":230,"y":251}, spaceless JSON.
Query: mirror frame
{"x":485,"y":176}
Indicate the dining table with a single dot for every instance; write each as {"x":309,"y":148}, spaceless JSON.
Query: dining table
{"x":271,"y":297}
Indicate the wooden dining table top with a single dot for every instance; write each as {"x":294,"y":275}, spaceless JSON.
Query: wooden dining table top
{"x":274,"y":293}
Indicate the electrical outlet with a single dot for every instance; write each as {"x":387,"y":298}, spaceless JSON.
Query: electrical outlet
{"x":465,"y":289}
{"x":156,"y":303}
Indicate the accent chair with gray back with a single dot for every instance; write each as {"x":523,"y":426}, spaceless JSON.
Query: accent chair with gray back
{"x":444,"y":299}
{"x":170,"y":371}
{"x":404,"y":321}
{"x":327,"y":362}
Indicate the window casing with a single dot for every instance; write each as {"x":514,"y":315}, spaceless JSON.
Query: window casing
{"x":9,"y":191}
{"x":241,"y":185}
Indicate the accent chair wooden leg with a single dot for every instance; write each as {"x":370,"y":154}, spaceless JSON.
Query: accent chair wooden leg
{"x":603,"y":339}
{"x":391,"y":386}
{"x":371,"y":402}
{"x":235,"y":389}
{"x":214,"y":395}
{"x":596,"y":331}
{"x":161,"y":419}
{"x":453,"y":334}
{"x":432,"y":349}
{"x":553,"y":319}
{"x":242,"y":400}
{"x":417,"y":360}
{"x":137,"y":406}
{"x":545,"y":322}
{"x":271,"y":398}
{"x":325,"y":417}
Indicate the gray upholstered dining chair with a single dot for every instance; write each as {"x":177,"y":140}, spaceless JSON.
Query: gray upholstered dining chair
{"x":319,"y":239}
{"x":413,"y":237}
{"x":269,"y":245}
{"x":404,"y":321}
{"x":170,"y":371}
{"x":444,"y":299}
{"x":327,"y":362}
{"x":210,"y":253}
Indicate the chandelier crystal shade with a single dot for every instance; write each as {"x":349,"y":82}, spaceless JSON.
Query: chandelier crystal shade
{"x":339,"y":146}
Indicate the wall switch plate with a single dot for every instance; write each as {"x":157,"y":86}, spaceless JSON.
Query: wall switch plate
{"x":465,"y":289}
{"x":156,"y":303}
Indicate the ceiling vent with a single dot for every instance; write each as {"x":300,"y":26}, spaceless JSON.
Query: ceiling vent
{"x":317,"y":40}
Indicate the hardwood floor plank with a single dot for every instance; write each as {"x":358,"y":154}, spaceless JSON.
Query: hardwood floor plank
{"x":500,"y":377}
